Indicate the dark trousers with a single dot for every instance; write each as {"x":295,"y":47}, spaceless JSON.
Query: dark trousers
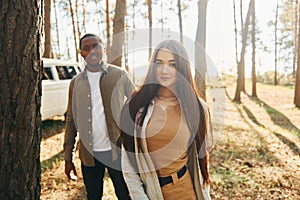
{"x":93,"y":176}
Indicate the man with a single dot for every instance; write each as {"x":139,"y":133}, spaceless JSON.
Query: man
{"x":96,"y":96}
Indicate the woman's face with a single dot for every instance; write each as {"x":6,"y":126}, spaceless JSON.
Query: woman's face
{"x":165,"y":66}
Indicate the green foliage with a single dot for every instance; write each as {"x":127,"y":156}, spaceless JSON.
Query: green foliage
{"x":52,"y":162}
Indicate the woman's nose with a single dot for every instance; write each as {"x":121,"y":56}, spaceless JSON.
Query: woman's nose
{"x":165,"y":68}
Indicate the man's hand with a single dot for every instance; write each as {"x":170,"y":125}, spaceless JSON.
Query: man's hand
{"x":69,"y":167}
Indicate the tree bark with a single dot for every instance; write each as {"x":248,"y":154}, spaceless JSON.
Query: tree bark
{"x":58,"y":54}
{"x":20,"y":90}
{"x":107,"y":31}
{"x":118,"y":33}
{"x":254,"y":93}
{"x":295,"y":37}
{"x":200,"y":60}
{"x":77,"y":18}
{"x":241,"y":12}
{"x":242,"y":68}
{"x":180,"y":20}
{"x":150,"y":26}
{"x":297,"y":83}
{"x":275,"y":43}
{"x":241,"y":64}
{"x":47,"y":18}
{"x":235,"y":33}
{"x":84,"y":16}
{"x":74,"y":29}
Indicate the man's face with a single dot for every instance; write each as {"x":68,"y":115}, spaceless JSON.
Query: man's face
{"x":92,"y":51}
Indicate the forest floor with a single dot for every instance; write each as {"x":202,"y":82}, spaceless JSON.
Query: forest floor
{"x":256,"y":153}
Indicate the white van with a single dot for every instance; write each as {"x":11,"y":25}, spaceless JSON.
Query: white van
{"x":57,"y":75}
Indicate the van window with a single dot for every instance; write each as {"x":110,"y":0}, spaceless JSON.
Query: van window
{"x":47,"y":75}
{"x":66,"y":72}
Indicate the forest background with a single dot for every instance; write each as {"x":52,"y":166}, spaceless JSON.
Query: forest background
{"x":253,"y":48}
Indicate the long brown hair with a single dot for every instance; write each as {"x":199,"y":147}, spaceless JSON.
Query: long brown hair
{"x":186,"y":94}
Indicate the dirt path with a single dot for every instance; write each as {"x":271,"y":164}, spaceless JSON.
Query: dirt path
{"x":257,"y":155}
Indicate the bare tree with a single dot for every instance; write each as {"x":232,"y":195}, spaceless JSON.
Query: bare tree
{"x":297,"y":83}
{"x":21,"y":30}
{"x":200,"y":56}
{"x":47,"y":18}
{"x":74,"y":28}
{"x":77,"y":18}
{"x":58,"y":54}
{"x":68,"y":49}
{"x":84,"y":16}
{"x":254,"y":93}
{"x":180,"y":20}
{"x":150,"y":25}
{"x":241,"y":64}
{"x":295,"y":37}
{"x":276,"y":43}
{"x":242,"y":68}
{"x":98,"y":16}
{"x":241,"y":13}
{"x":200,"y":61}
{"x":118,"y":33}
{"x":107,"y":31}
{"x":235,"y":32}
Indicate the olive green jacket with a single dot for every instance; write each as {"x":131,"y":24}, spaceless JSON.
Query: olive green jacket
{"x":115,"y":85}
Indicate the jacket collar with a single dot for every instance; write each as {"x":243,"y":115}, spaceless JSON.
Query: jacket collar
{"x":103,"y":68}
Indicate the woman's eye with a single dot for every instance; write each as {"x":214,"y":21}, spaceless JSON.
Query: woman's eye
{"x":173,"y":65}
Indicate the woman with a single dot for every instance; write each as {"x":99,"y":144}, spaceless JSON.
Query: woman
{"x":163,"y":131}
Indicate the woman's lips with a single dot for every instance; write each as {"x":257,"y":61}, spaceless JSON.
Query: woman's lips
{"x":164,"y":78}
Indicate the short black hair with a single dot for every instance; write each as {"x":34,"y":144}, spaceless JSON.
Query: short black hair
{"x":90,"y":35}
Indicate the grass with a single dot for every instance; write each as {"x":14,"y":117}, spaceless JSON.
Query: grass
{"x":52,"y":162}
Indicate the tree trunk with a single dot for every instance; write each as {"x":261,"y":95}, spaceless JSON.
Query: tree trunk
{"x":77,"y":19}
{"x":241,"y":64}
{"x":235,"y":33}
{"x":84,"y":16}
{"x":150,"y":26}
{"x":295,"y":38}
{"x":68,"y":48}
{"x":74,"y":29}
{"x":242,"y":68}
{"x":275,"y":43}
{"x":98,"y":18}
{"x":180,"y":20}
{"x":241,"y":12}
{"x":254,"y":93}
{"x":118,"y":33}
{"x":200,"y":60}
{"x":58,"y":54}
{"x":107,"y":31}
{"x":162,"y":19}
{"x":47,"y":21}
{"x":20,"y":91}
{"x":297,"y":83}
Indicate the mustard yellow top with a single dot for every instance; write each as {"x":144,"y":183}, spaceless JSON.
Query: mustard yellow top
{"x":167,"y":136}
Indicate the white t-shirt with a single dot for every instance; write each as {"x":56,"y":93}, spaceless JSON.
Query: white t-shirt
{"x":100,"y":138}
